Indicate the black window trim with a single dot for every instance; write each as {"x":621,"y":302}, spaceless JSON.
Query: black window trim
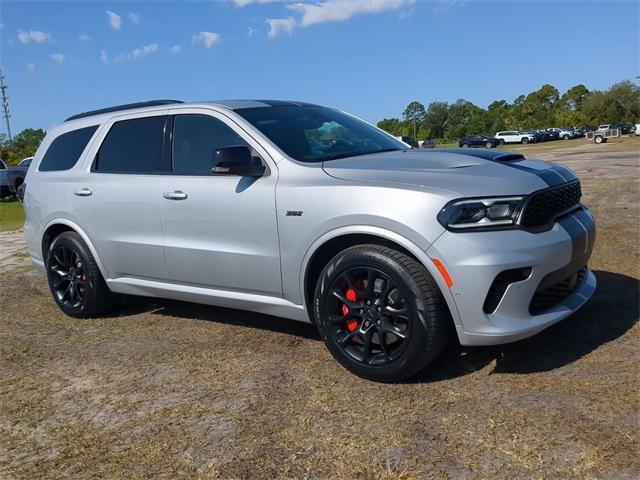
{"x":165,"y":153}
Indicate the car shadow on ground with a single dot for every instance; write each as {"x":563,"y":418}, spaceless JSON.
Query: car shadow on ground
{"x":612,"y":311}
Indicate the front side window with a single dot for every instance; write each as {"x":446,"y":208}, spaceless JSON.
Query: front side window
{"x":195,"y":139}
{"x":316,"y":134}
{"x":132,"y":146}
{"x":64,"y":152}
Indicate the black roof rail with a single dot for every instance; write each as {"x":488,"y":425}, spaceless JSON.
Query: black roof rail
{"x":128,"y":106}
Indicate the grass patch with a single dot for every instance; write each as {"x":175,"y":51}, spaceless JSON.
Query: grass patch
{"x":11,"y":215}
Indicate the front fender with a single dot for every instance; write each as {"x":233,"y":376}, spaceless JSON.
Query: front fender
{"x":388,"y":235}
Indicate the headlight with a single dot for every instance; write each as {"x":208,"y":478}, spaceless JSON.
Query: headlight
{"x":481,"y":213}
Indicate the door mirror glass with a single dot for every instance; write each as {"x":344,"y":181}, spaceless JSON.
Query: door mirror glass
{"x":237,"y":160}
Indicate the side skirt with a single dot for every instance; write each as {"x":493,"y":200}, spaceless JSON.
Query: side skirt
{"x":267,"y":305}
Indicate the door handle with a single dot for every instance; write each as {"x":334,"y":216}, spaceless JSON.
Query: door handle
{"x":83,"y":192}
{"x":175,"y":195}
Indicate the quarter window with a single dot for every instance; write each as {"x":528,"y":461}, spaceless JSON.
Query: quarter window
{"x":132,"y":146}
{"x":195,"y":139}
{"x":65,"y":150}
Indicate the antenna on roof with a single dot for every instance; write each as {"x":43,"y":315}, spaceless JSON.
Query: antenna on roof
{"x":5,"y":104}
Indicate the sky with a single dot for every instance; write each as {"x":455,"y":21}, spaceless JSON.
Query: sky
{"x":368,"y":57}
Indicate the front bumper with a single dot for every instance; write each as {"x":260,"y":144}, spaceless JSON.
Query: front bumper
{"x":474,"y":260}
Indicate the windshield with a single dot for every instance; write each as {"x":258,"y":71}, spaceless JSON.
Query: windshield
{"x":316,"y":134}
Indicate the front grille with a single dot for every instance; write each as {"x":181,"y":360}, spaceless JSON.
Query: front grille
{"x":543,"y":206}
{"x":551,"y":296}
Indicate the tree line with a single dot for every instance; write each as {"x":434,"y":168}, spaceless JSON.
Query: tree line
{"x":20,"y":146}
{"x":577,"y":107}
{"x":544,"y":108}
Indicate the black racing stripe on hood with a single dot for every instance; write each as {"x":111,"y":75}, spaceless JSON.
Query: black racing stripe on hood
{"x":548,"y":175}
{"x":552,"y":176}
{"x":565,"y":172}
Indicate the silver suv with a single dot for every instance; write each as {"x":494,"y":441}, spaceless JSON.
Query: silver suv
{"x":306,"y":212}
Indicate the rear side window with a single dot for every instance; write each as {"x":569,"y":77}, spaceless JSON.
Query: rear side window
{"x":132,"y":146}
{"x":65,"y":150}
{"x":195,"y":139}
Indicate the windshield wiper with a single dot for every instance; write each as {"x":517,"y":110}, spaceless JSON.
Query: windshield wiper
{"x":355,"y":154}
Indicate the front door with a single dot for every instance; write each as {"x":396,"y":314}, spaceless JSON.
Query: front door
{"x":220,"y":231}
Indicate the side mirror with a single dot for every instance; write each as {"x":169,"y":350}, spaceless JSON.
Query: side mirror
{"x":236,"y":161}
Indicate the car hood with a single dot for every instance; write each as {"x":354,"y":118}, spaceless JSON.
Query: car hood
{"x":465,"y":172}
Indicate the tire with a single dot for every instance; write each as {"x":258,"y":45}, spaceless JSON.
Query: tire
{"x":565,"y":137}
{"x":599,"y":139}
{"x":524,"y":141}
{"x":501,"y":141}
{"x":74,"y":278}
{"x":464,"y":145}
{"x":414,"y":305}
{"x":16,"y":185}
{"x":488,"y":145}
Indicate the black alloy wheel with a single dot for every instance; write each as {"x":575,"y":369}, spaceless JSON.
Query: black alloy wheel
{"x":69,"y":281}
{"x":75,"y":281}
{"x":370,"y":315}
{"x":380,"y":313}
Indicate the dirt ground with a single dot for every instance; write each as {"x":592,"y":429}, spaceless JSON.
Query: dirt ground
{"x":175,"y":390}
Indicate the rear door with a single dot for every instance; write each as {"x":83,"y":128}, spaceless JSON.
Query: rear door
{"x":220,"y":231}
{"x":115,"y":198}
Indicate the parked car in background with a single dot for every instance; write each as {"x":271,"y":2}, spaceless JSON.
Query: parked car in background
{"x":554,"y":135}
{"x":428,"y":143}
{"x":624,"y":128}
{"x":410,"y":142}
{"x":478,"y":141}
{"x":538,"y":136}
{"x":637,"y":129}
{"x":4,"y":183}
{"x":512,"y":136}
{"x":246,"y":214}
{"x":16,"y":175}
{"x":541,"y":135}
{"x":563,"y":133}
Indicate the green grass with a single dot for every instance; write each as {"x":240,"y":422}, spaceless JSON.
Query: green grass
{"x":11,"y":215}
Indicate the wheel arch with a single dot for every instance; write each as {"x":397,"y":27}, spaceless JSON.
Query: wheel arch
{"x":334,"y":242}
{"x":60,"y":225}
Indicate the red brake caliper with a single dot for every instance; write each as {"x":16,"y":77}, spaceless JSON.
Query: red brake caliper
{"x":352,"y":324}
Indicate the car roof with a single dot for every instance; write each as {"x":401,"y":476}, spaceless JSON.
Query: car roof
{"x":153,"y":104}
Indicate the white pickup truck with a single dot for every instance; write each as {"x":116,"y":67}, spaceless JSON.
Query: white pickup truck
{"x":513,"y":136}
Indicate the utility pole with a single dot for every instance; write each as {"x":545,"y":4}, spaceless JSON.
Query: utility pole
{"x":5,"y":104}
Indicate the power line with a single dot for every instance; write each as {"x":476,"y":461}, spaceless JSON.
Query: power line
{"x":5,"y":103}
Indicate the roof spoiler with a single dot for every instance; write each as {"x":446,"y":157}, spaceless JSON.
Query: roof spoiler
{"x":127,"y":106}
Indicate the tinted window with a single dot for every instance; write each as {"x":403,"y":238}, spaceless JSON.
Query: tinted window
{"x":316,"y":134}
{"x":132,"y":146}
{"x":195,"y":139}
{"x":65,"y":150}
